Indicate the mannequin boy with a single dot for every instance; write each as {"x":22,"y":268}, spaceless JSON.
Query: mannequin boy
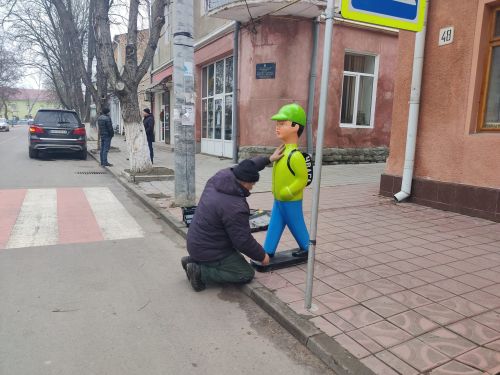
{"x":289,"y":181}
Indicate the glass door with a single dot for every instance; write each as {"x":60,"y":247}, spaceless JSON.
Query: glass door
{"x":165,"y":118}
{"x":218,"y":126}
{"x":217,"y":108}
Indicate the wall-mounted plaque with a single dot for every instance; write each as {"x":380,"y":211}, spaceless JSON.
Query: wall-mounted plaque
{"x":265,"y":71}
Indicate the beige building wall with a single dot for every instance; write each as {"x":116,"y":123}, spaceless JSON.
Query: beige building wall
{"x":163,"y":52}
{"x":204,"y":25}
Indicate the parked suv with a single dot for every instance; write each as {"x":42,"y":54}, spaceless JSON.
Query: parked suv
{"x":57,"y":130}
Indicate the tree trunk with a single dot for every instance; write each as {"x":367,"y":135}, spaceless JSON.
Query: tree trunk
{"x":6,"y":109}
{"x":137,"y":144}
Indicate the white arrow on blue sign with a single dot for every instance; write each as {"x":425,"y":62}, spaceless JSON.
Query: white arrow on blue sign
{"x":399,"y":14}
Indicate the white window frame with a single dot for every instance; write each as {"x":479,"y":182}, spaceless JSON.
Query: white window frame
{"x":215,"y":96}
{"x":356,"y":93}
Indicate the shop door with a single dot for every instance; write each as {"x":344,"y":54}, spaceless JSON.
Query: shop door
{"x":165,"y":118}
{"x":217,"y":105}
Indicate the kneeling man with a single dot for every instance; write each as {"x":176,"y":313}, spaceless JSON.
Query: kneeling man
{"x":220,"y":230}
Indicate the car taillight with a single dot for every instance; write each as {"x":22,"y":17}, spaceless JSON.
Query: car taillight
{"x":36,"y":129}
{"x":79,"y":131}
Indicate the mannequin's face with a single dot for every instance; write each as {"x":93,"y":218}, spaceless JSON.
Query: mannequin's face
{"x":286,"y":132}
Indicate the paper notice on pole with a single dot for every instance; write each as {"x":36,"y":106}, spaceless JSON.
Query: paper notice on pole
{"x":189,"y":97}
{"x":188,"y":83}
{"x":177,"y":114}
{"x":187,"y":117}
{"x":188,"y":69}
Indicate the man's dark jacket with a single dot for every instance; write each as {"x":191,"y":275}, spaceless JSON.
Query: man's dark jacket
{"x":220,"y":224}
{"x":105,"y":126}
{"x":149,"y":125}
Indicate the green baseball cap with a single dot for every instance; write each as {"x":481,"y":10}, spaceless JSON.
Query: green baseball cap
{"x":291,"y":112}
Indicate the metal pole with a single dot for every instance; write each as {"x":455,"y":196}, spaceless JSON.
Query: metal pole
{"x":236,"y":47}
{"x":312,"y":87}
{"x":184,"y":114}
{"x":325,"y":74}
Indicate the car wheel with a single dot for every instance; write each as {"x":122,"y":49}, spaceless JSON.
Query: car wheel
{"x":33,"y":154}
{"x":83,"y":155}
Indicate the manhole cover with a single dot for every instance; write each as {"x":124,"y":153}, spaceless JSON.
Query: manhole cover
{"x":91,"y":172}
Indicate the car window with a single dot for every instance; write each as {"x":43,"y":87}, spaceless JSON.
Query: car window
{"x":59,"y":119}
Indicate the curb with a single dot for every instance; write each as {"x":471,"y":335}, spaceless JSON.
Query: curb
{"x":319,"y":343}
{"x":322,"y":345}
{"x":167,"y":217}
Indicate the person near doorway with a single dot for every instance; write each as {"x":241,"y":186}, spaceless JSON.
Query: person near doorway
{"x":149,"y":126}
{"x":289,"y":181}
{"x":106,"y":132}
{"x":220,"y":229}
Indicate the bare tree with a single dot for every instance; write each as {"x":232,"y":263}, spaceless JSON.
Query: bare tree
{"x":50,"y":46}
{"x":36,"y":27}
{"x":125,"y":84}
{"x":34,"y":95}
{"x":10,"y":74}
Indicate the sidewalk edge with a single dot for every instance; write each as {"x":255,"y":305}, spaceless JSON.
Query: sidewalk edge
{"x":322,"y":345}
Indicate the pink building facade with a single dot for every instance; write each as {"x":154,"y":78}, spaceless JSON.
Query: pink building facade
{"x":363,"y":62}
{"x":457,"y":165}
{"x":274,"y":52}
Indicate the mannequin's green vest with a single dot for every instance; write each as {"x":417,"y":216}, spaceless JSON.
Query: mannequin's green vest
{"x":287,"y":187}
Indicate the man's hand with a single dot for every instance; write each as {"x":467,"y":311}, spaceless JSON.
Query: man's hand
{"x":266,"y":260}
{"x":277,"y":154}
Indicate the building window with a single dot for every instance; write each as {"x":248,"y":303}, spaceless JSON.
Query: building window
{"x":359,"y":90}
{"x":217,"y":100}
{"x":489,"y":119}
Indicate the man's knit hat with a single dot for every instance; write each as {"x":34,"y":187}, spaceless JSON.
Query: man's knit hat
{"x":246,"y":171}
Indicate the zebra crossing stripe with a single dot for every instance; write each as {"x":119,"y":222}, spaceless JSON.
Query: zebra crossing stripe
{"x":10,"y":205}
{"x":113,"y":219}
{"x":39,"y":217}
{"x":75,"y":218}
{"x":36,"y":223}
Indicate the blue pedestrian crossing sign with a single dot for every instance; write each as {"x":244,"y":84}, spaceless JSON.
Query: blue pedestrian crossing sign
{"x":399,"y":14}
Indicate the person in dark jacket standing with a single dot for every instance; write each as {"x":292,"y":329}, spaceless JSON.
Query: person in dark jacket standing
{"x":220,"y":229}
{"x":149,"y":126}
{"x":106,"y":132}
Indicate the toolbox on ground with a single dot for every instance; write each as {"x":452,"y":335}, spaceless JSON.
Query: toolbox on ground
{"x":259,"y":219}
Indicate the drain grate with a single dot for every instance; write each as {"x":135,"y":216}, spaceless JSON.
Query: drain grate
{"x":91,"y":172}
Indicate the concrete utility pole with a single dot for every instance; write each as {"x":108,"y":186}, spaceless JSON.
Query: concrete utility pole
{"x":185,"y":192}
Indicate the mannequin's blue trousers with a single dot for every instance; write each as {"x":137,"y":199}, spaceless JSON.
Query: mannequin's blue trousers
{"x":286,"y":214}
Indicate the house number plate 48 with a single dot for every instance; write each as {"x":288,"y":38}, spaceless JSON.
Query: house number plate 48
{"x":446,"y":35}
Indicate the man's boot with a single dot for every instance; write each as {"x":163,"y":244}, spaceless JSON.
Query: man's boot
{"x":185,"y":261}
{"x":193,"y":271}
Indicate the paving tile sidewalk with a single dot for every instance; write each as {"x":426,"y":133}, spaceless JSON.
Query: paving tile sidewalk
{"x":405,"y":288}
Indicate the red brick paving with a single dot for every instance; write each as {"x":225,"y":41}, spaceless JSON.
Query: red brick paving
{"x":405,"y":288}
